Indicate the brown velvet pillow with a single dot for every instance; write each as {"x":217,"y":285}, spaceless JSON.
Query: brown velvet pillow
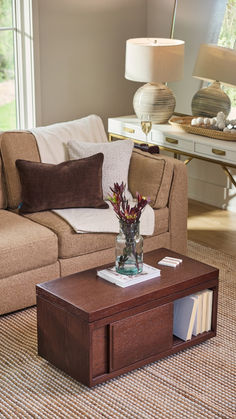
{"x":71,"y":184}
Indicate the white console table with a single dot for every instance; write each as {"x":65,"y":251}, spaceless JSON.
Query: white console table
{"x":177,"y":141}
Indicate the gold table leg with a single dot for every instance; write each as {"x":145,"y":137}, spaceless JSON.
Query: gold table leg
{"x":188,"y":160}
{"x":227,"y":172}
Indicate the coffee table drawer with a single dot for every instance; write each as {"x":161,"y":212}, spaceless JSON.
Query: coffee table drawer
{"x":140,"y":336}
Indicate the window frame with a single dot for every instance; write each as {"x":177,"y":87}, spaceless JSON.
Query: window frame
{"x":22,"y":30}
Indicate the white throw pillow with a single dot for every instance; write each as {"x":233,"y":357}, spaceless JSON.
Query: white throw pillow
{"x":117,"y":156}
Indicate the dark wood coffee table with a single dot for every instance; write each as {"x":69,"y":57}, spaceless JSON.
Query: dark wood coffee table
{"x":94,"y":330}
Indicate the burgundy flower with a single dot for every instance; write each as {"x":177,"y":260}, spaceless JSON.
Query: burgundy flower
{"x":121,"y":206}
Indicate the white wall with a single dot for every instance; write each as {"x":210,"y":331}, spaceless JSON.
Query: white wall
{"x":80,"y":57}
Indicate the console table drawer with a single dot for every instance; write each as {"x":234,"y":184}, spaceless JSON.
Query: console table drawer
{"x":175,"y":143}
{"x":216,"y":152}
{"x":140,"y":336}
{"x":131,"y":131}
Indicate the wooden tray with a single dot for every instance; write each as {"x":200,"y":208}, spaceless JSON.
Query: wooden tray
{"x":184,"y":123}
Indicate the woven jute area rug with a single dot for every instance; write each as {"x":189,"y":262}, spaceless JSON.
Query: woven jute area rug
{"x":195,"y":383}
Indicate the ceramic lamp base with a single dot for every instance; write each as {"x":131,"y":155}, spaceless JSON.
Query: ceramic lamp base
{"x":154,"y":100}
{"x":211,"y":100}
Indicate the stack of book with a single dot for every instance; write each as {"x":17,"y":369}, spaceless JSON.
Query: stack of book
{"x":192,"y":314}
{"x":110,"y":274}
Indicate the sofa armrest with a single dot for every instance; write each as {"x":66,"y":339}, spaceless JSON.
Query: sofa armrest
{"x":178,"y":208}
{"x":16,"y":145}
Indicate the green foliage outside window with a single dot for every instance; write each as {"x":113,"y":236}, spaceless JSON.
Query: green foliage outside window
{"x":7,"y":73}
{"x":6,"y":41}
{"x":8,"y":116}
{"x":5,"y":13}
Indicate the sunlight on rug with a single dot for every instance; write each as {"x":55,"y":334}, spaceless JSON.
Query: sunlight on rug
{"x":195,"y":383}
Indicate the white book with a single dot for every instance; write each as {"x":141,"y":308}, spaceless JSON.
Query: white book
{"x":209,"y":309}
{"x":197,"y":327}
{"x":204,"y":311}
{"x":184,"y":316}
{"x":110,"y":274}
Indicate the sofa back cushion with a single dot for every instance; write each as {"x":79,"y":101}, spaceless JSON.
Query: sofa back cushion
{"x":151,"y":176}
{"x":16,"y":145}
{"x":117,"y":156}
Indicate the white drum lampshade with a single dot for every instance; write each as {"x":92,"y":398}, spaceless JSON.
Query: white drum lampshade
{"x":218,"y":65}
{"x":154,"y":61}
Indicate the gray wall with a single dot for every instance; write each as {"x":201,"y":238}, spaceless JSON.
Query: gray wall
{"x":159,"y":18}
{"x":80,"y":51}
{"x":80,"y":57}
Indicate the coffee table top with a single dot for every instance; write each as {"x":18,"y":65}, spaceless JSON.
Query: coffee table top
{"x":93,"y":298}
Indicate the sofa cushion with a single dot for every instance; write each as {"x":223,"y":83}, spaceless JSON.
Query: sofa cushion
{"x":151,"y":176}
{"x":103,"y":257}
{"x":24,"y":245}
{"x":71,"y":244}
{"x":70,"y":184}
{"x":116,"y":160}
{"x":18,"y":291}
{"x":16,"y":145}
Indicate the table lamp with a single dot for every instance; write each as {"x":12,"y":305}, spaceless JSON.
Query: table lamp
{"x":154,"y":61}
{"x":218,"y":65}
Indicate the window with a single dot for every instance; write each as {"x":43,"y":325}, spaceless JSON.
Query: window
{"x":17,"y":108}
{"x":227,"y":39}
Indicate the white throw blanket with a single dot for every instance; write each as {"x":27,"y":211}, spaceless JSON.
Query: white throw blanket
{"x":93,"y":220}
{"x":52,"y":140}
{"x":52,"y":145}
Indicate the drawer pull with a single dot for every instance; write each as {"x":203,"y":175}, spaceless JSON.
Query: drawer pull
{"x":130,"y":130}
{"x":172,"y":141}
{"x":218,"y":152}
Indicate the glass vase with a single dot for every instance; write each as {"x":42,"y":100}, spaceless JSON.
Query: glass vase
{"x":129,"y":249}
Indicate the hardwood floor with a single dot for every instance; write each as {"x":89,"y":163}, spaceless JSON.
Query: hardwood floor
{"x":212,"y":227}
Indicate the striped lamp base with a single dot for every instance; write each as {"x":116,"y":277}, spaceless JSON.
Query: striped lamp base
{"x":211,"y":100}
{"x":154,"y":100}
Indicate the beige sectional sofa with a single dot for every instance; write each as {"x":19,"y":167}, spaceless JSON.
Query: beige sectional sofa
{"x":41,"y":246}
